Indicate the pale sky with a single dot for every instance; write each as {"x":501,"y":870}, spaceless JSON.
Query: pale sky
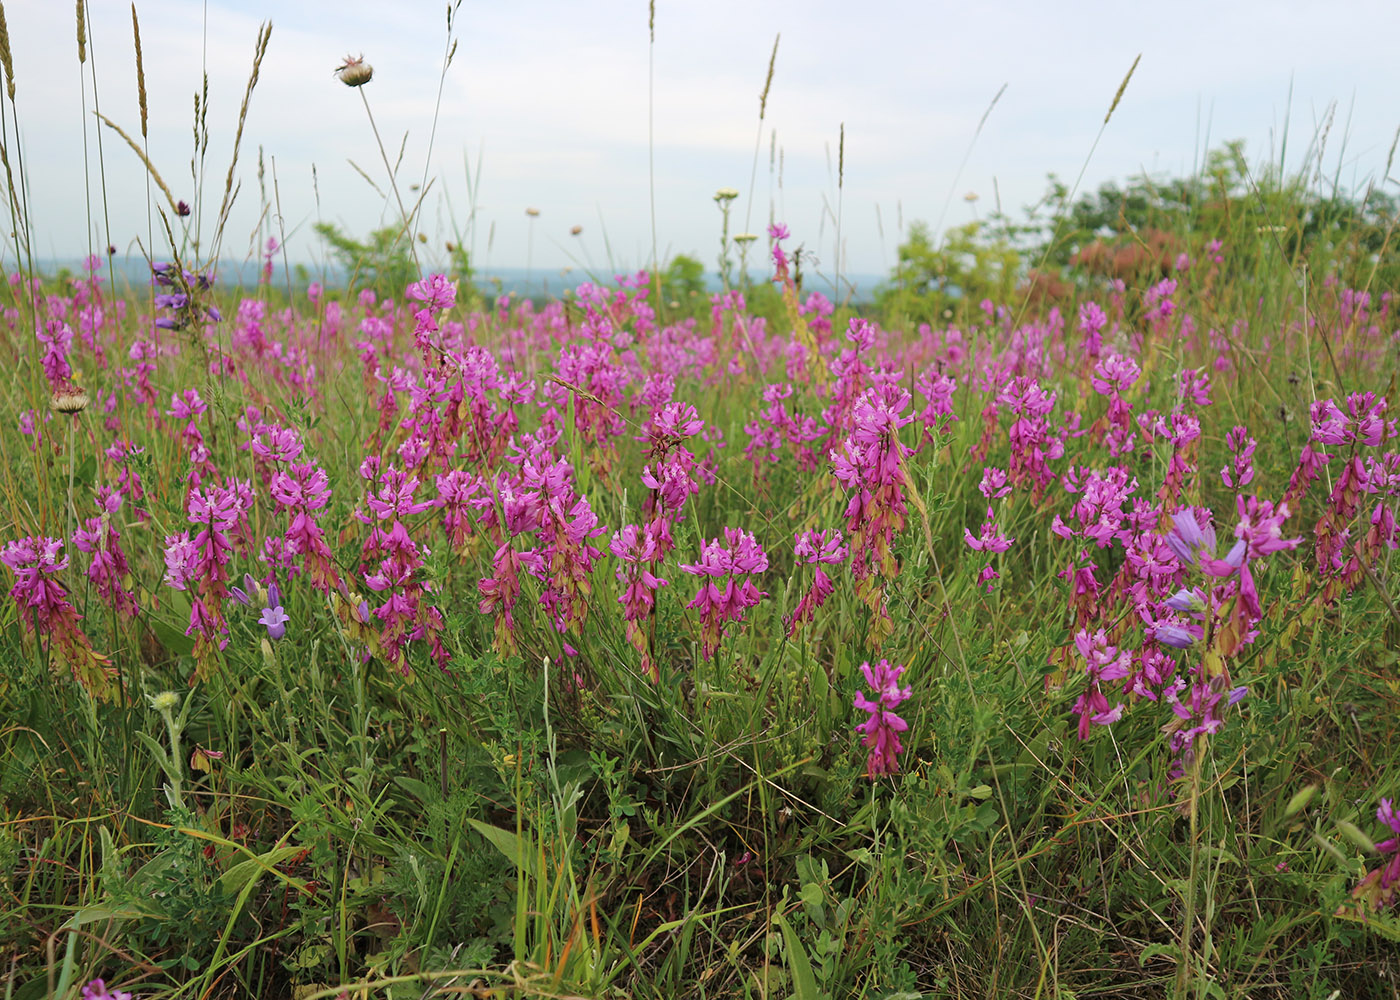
{"x":552,"y":96}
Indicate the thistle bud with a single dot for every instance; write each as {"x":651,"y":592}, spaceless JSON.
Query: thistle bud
{"x":69,"y":398}
{"x":354,"y":72}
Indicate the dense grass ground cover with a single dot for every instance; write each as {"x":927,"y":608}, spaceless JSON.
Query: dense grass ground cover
{"x":406,"y":644}
{"x":472,"y":730}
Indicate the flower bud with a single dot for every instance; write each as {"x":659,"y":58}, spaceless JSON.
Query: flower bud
{"x":354,"y":72}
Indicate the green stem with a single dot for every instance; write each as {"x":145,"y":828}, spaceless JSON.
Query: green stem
{"x":1183,"y":971}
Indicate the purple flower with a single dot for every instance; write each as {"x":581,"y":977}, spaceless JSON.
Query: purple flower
{"x":1186,"y":600}
{"x":883,"y":727}
{"x":1103,"y":662}
{"x":1176,"y":636}
{"x":1188,"y":539}
{"x":244,"y":595}
{"x":97,"y":990}
{"x":728,"y":592}
{"x":275,"y":618}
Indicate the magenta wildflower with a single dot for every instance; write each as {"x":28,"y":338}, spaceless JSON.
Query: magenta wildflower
{"x":1200,"y":713}
{"x":937,"y":416}
{"x":1034,"y":443}
{"x":1103,"y":662}
{"x":730,"y":569}
{"x":1114,"y":375}
{"x":45,"y":613}
{"x":301,"y":491}
{"x":1240,"y":472}
{"x":636,"y":552}
{"x":97,"y":989}
{"x":108,"y":570}
{"x":203,"y":561}
{"x":57,"y":338}
{"x":389,"y":563}
{"x":990,"y":539}
{"x":869,"y":466}
{"x":1381,"y":886}
{"x":883,"y":727}
{"x":456,"y":490}
{"x":815,"y":548}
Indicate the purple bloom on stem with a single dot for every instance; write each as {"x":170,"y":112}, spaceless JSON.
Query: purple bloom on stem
{"x":1378,"y":889}
{"x":1234,"y":560}
{"x":1103,"y":662}
{"x":1188,"y":539}
{"x":883,"y":727}
{"x":1176,"y":636}
{"x":44,"y":610}
{"x":97,"y":990}
{"x":815,"y":548}
{"x":729,"y":569}
{"x":275,"y":618}
{"x":1186,"y":600}
{"x":244,"y":595}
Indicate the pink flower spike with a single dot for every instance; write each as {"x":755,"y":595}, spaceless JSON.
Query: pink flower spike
{"x":883,"y":727}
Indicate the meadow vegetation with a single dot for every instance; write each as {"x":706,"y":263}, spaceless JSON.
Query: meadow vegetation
{"x":1027,"y":631}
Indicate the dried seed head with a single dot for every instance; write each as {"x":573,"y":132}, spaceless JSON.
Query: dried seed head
{"x":69,"y":398}
{"x":140,"y":70}
{"x":575,"y":230}
{"x":6,"y":61}
{"x":532,"y":212}
{"x":354,"y":72}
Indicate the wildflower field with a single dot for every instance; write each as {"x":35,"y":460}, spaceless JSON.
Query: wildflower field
{"x":1026,"y":635}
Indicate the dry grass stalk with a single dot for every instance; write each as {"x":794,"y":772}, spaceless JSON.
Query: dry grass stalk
{"x":6,"y":59}
{"x":1121,"y":88}
{"x":150,"y":167}
{"x":841,"y":158}
{"x":140,"y":69}
{"x":361,"y":171}
{"x":16,"y":213}
{"x":260,"y":50}
{"x":768,"y":80}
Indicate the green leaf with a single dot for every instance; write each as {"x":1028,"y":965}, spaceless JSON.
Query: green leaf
{"x":250,"y":869}
{"x":420,"y":790}
{"x":804,"y":983}
{"x":1172,"y":951}
{"x":172,"y":638}
{"x":518,"y":849}
{"x":107,"y":911}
